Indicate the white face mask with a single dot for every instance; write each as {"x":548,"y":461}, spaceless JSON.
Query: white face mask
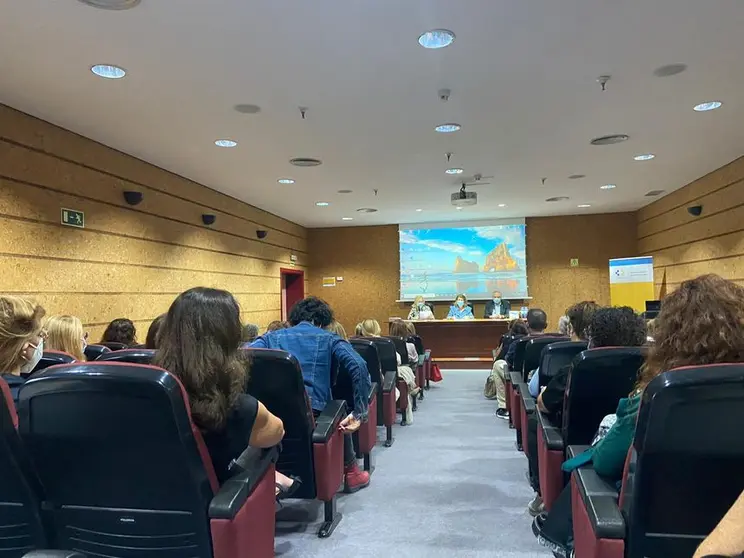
{"x":35,"y":358}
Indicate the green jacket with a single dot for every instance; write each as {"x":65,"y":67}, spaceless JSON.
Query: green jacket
{"x":608,"y":455}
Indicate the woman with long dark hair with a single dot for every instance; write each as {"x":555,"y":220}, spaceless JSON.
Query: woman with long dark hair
{"x":199,"y":342}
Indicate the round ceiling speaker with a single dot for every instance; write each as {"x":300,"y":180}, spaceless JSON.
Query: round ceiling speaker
{"x":610,"y":140}
{"x":112,"y":4}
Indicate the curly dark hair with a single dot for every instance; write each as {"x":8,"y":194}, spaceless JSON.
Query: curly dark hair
{"x":277,"y":325}
{"x":120,"y":330}
{"x":518,"y":327}
{"x":199,"y":344}
{"x":311,"y":309}
{"x":702,"y":322}
{"x":617,"y":326}
{"x":580,"y":316}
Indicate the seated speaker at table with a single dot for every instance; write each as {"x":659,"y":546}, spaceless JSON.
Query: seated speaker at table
{"x":497,"y":307}
{"x":460,"y":309}
{"x":420,"y":310}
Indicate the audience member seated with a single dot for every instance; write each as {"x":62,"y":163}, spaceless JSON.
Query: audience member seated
{"x":120,"y":330}
{"x":250,"y":332}
{"x":420,"y":310}
{"x":563,"y":326}
{"x":65,"y":333}
{"x":494,"y":388}
{"x":199,"y":343}
{"x":315,"y":349}
{"x":497,"y":307}
{"x":406,"y":370}
{"x":537,"y":321}
{"x":727,"y":539}
{"x":274,"y":326}
{"x":152,"y":341}
{"x":338,"y":329}
{"x":399,"y":328}
{"x":460,"y":309}
{"x":700,"y":323}
{"x":21,"y":340}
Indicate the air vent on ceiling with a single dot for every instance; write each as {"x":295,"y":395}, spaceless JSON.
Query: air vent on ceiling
{"x":576,"y":176}
{"x":344,"y":191}
{"x":610,"y":140}
{"x":557,"y":199}
{"x":653,"y":193}
{"x":305,"y":162}
{"x":367,"y":210}
{"x":670,"y":70}
{"x":112,"y":4}
{"x":247,"y":109}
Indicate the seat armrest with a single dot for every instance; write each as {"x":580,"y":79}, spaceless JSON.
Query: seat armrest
{"x":253,"y":464}
{"x":53,"y":554}
{"x":574,"y":450}
{"x":388,"y":381}
{"x":591,"y":484}
{"x":605,"y":517}
{"x":552,"y":434}
{"x":372,"y":391}
{"x":528,"y":402}
{"x":328,"y":420}
{"x":515,"y":378}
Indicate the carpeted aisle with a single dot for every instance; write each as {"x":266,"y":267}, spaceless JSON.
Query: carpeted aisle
{"x":452,"y":485}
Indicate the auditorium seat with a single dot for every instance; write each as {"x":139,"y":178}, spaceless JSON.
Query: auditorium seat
{"x":682,"y":474}
{"x":420,"y":368}
{"x":21,"y":526}
{"x":92,"y":352}
{"x":402,"y":351}
{"x":389,"y":364}
{"x":312,"y":449}
{"x":365,"y":438}
{"x":51,"y":358}
{"x":599,"y":378}
{"x":125,"y":471}
{"x":507,"y":338}
{"x":511,"y":382}
{"x":132,"y":356}
{"x":114,"y":346}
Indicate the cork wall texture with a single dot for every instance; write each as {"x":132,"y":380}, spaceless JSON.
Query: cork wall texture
{"x":685,"y":246}
{"x":367,"y":259}
{"x":127,"y":261}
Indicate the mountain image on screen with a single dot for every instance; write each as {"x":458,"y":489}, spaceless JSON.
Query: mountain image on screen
{"x":442,"y":261}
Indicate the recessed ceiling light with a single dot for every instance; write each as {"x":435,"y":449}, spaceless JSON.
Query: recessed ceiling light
{"x":322,"y":204}
{"x":454,"y":171}
{"x":584,"y":205}
{"x":305,"y":162}
{"x":366,"y":210}
{"x":610,"y":140}
{"x":112,"y":4}
{"x":448,"y":128}
{"x":225,"y":143}
{"x":670,"y":70}
{"x":644,"y":157}
{"x":247,"y":109}
{"x":344,"y":191}
{"x":286,"y":181}
{"x":557,"y":199}
{"x":607,"y":187}
{"x":419,"y":210}
{"x":347,"y":218}
{"x":502,"y":205}
{"x":708,"y":105}
{"x":458,"y":207}
{"x":436,"y":38}
{"x":109,"y":72}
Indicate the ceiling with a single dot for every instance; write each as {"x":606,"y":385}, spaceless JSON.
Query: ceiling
{"x":522,"y":75}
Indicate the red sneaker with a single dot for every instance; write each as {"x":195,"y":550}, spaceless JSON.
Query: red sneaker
{"x":355,"y":479}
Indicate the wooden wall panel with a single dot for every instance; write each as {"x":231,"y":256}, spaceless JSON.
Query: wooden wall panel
{"x":367,"y":258}
{"x":685,"y":246}
{"x":127,"y":261}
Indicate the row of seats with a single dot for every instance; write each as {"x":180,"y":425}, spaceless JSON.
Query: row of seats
{"x":682,"y":471}
{"x":120,"y":470}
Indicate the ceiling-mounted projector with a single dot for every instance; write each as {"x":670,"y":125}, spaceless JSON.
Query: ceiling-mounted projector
{"x":463,"y":198}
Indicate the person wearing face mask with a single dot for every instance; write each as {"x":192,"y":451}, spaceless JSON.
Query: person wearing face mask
{"x":21,"y":340}
{"x":460,"y":309}
{"x":497,"y":307}
{"x":65,"y":333}
{"x":420,"y":310}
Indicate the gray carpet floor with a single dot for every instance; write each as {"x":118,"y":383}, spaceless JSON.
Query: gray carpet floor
{"x":452,"y":484}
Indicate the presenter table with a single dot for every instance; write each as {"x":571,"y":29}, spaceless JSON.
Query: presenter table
{"x":461,"y":343}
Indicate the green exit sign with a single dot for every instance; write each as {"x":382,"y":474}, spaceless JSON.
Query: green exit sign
{"x":73,"y":218}
{"x":574,"y":262}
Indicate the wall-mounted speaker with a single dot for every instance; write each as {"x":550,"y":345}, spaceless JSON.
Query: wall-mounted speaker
{"x":261,"y":234}
{"x":133,"y":198}
{"x":208,"y":218}
{"x":695,"y":210}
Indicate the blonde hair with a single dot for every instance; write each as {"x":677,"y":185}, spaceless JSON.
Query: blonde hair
{"x":368,"y":328}
{"x":338,"y":329}
{"x":399,"y":328}
{"x":418,"y":299}
{"x":65,"y":333}
{"x":20,"y":323}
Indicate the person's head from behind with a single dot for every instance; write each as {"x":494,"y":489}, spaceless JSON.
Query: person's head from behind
{"x":411,"y":328}
{"x":338,"y":329}
{"x":21,"y":335}
{"x":276,"y":325}
{"x":518,"y":328}
{"x":461,"y":301}
{"x":702,"y":322}
{"x":368,"y":328}
{"x":199,"y":343}
{"x":579,"y":317}
{"x":537,"y":320}
{"x":313,"y":310}
{"x":398,"y":328}
{"x":151,"y":341}
{"x":497,"y":297}
{"x":65,"y":333}
{"x":616,"y":326}
{"x":120,"y":330}
{"x":250,"y":332}
{"x":564,"y":325}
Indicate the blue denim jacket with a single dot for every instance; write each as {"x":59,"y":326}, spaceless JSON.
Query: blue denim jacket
{"x":316,"y":350}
